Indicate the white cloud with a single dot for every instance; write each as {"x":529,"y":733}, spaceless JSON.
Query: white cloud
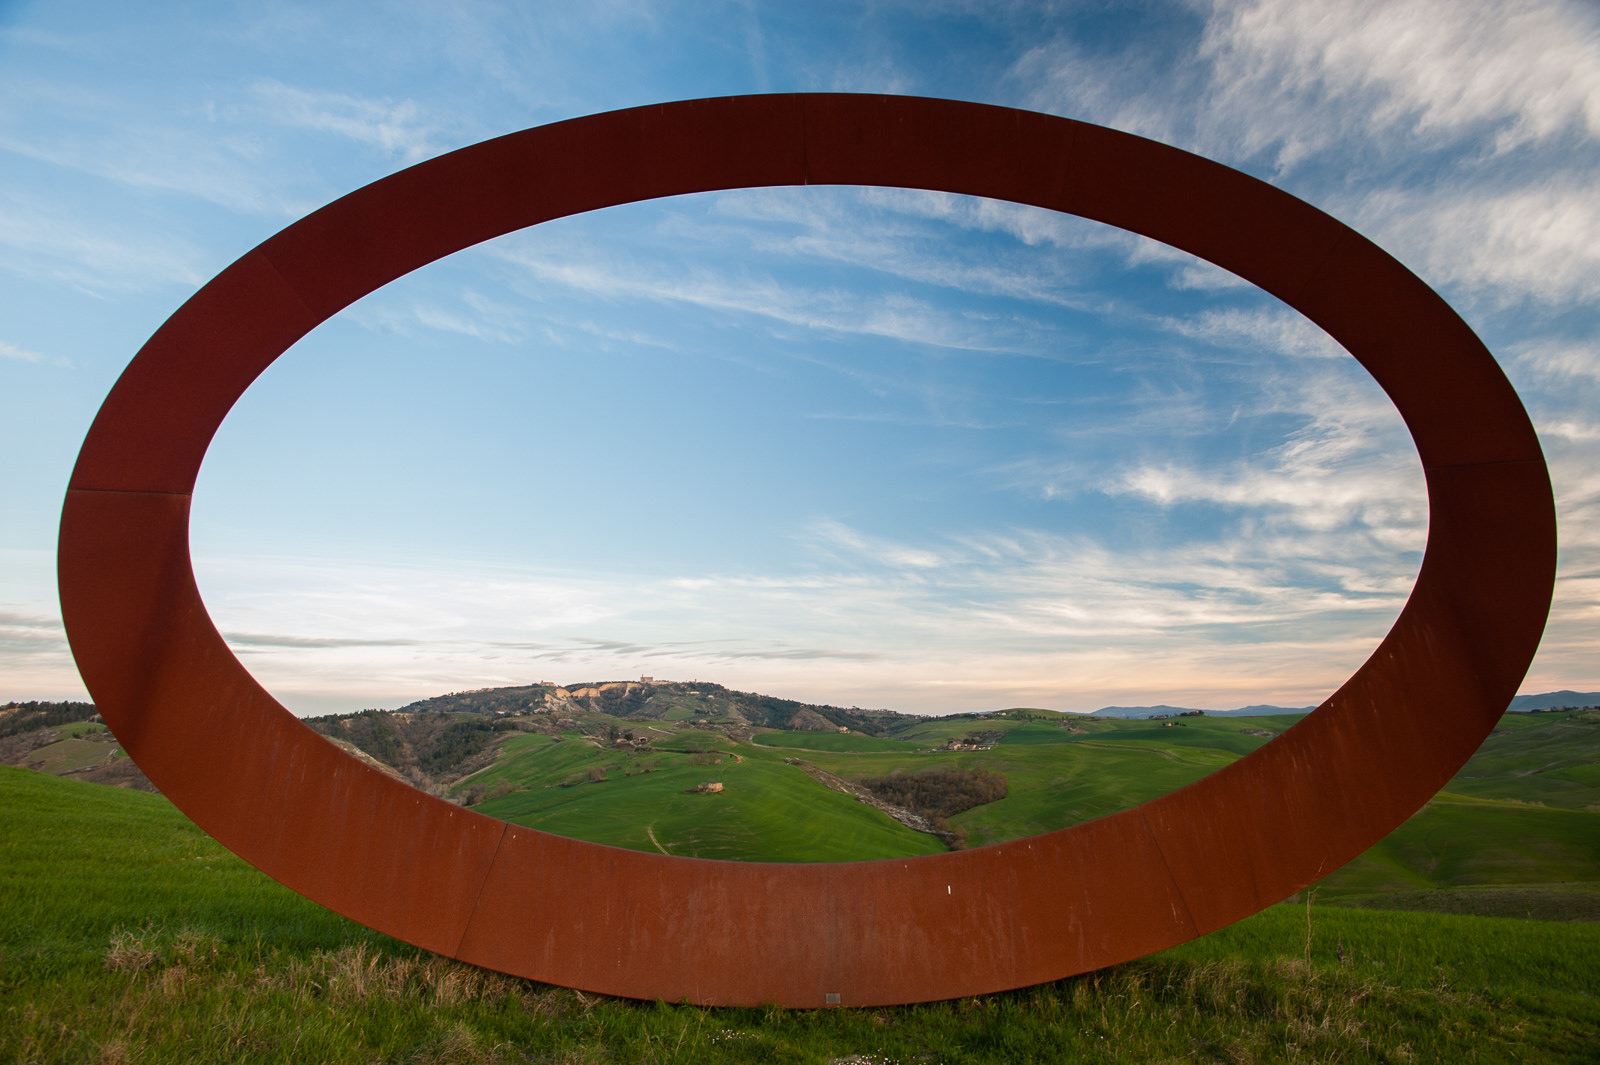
{"x":468,"y":314}
{"x":1422,"y":67}
{"x":219,"y":147}
{"x":893,"y":316}
{"x":11,"y":351}
{"x":109,"y":137}
{"x":1571,"y":430}
{"x":401,"y":128}
{"x":938,"y":626}
{"x":1269,"y":329}
{"x":1348,"y":466}
{"x":35,"y":660}
{"x":886,"y":231}
{"x":1444,"y":115}
{"x":90,"y":254}
{"x":1560,"y":380}
{"x":1540,"y":241}
{"x":834,"y":535}
{"x":1559,"y":363}
{"x":30,"y":633}
{"x":1461,"y":135}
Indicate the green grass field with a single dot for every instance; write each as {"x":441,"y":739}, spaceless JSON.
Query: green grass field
{"x":775,"y":812}
{"x":1552,"y":759}
{"x":826,"y":741}
{"x":1480,"y":856}
{"x":767,"y":810}
{"x":81,"y":859}
{"x":1515,"y":835}
{"x":127,"y":935}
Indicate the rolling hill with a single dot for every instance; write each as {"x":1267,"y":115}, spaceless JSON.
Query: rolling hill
{"x":629,"y":764}
{"x":1517,"y":832}
{"x":127,"y":934}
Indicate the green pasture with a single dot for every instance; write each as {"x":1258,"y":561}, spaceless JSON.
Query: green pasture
{"x":523,"y":753}
{"x":706,"y":739}
{"x":1456,"y":842}
{"x":1222,"y":734}
{"x":1033,"y":734}
{"x":1549,"y":758}
{"x":1182,"y":736}
{"x":1058,"y":777}
{"x":827,"y":741}
{"x":1482,"y":847}
{"x":933,"y":732}
{"x":127,"y":935}
{"x":1058,"y":785}
{"x":767,"y":811}
{"x":1471,"y":955}
{"x":80,"y":728}
{"x":81,"y":859}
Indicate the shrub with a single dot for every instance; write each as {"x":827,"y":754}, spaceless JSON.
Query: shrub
{"x":939,"y":792}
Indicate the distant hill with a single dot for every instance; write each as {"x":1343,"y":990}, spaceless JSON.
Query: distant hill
{"x":1564,"y":699}
{"x":1552,"y":700}
{"x":66,"y":739}
{"x":434,"y":742}
{"x":651,"y":700}
{"x":19,"y":718}
{"x":1176,"y":711}
{"x":629,"y":764}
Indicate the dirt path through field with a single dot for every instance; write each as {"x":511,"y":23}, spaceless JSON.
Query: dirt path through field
{"x":651,"y":832}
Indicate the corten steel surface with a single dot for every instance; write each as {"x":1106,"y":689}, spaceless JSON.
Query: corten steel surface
{"x":645,"y":925}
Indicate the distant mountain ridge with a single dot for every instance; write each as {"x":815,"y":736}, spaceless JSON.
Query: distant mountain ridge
{"x":1521,"y":704}
{"x":1259,"y":710}
{"x":1552,"y":700}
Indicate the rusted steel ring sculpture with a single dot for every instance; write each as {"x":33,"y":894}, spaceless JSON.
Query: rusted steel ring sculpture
{"x":856,"y":933}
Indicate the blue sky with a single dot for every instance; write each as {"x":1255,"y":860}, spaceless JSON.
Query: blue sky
{"x":870,"y":447}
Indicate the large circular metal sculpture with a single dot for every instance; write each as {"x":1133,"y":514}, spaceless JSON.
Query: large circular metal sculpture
{"x":648,"y":926}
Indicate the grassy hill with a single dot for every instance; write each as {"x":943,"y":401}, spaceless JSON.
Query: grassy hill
{"x":1516,"y":833}
{"x":1548,"y":758}
{"x":65,"y":738}
{"x":768,"y":810}
{"x":650,"y":700}
{"x":127,"y":935}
